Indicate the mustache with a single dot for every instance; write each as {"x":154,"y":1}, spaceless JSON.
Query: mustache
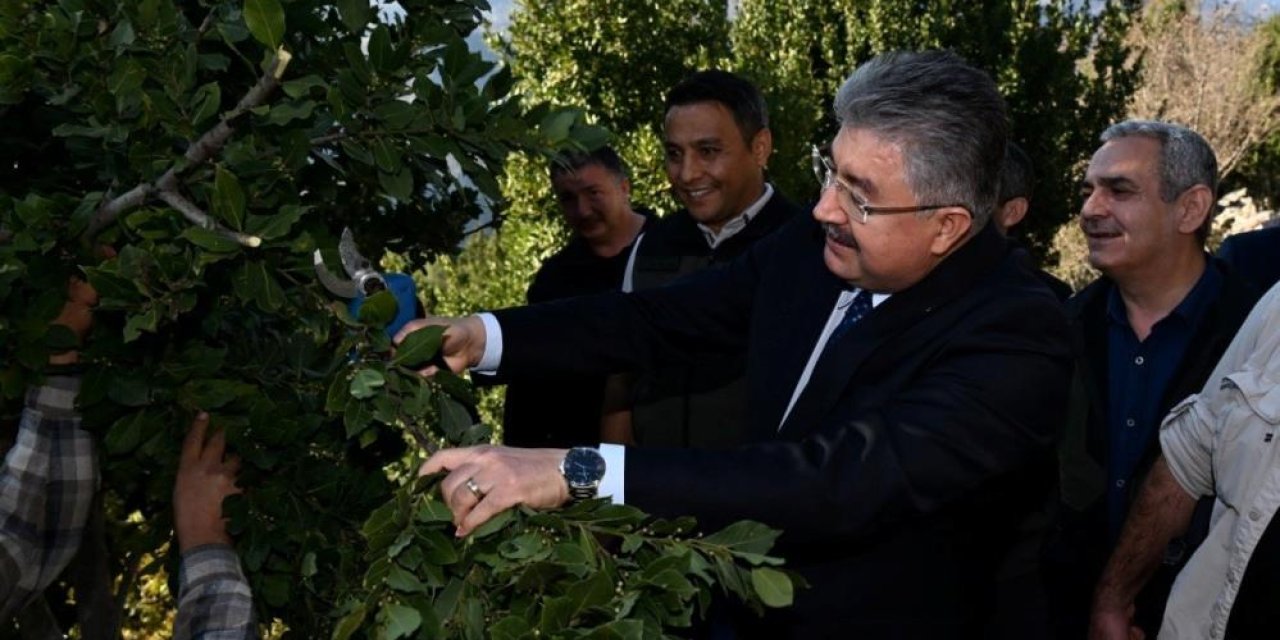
{"x":838,"y":235}
{"x":1093,"y":226}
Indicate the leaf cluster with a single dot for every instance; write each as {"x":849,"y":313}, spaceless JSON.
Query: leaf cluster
{"x":594,"y":570}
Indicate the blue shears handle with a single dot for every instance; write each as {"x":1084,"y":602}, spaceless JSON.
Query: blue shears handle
{"x":406,"y":294}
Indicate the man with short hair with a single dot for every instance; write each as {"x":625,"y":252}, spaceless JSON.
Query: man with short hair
{"x":1017,"y":184}
{"x":717,"y":141}
{"x":594,"y":196}
{"x":1151,"y":329}
{"x":908,"y":372}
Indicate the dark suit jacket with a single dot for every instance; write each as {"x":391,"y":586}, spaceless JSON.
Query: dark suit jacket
{"x":1254,"y":255}
{"x":1078,"y":549}
{"x":924,"y":434}
{"x":701,"y":403}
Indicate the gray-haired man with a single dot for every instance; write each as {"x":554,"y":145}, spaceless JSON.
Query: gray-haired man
{"x":1151,"y":328}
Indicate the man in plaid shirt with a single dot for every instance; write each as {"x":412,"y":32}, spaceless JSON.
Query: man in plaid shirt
{"x":47,"y":483}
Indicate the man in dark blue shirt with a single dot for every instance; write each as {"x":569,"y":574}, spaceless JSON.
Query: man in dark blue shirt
{"x":1149,"y":332}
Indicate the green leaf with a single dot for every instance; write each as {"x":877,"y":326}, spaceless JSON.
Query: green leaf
{"x":365,"y":383}
{"x":434,"y":511}
{"x":398,"y":185}
{"x":385,"y":155}
{"x":773,"y":587}
{"x":381,"y":51}
{"x":126,"y":433}
{"x":254,"y":283}
{"x":402,"y":580}
{"x":378,"y":309}
{"x":494,"y":524}
{"x":350,"y":623}
{"x":339,"y":394}
{"x":301,"y":87}
{"x":210,"y":240}
{"x":419,"y":347}
{"x":356,"y":418}
{"x":745,"y":536}
{"x":308,"y":568}
{"x":278,"y":225}
{"x":399,"y":621}
{"x":355,"y":14}
{"x":454,"y":418}
{"x":206,"y":103}
{"x":228,"y":198}
{"x":146,"y":320}
{"x":265,"y":19}
{"x":555,"y":127}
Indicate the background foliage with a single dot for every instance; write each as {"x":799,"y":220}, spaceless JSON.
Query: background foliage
{"x":216,"y":145}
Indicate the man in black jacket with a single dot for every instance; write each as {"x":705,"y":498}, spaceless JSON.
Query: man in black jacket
{"x":905,"y":373}
{"x":717,"y":141}
{"x":594,"y":196}
{"x":1148,"y":333}
{"x":1255,"y":255}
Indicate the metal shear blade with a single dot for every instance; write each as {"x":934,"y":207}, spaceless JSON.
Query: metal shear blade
{"x":364,"y":281}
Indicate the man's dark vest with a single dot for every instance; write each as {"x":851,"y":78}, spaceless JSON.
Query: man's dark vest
{"x":699,"y":403}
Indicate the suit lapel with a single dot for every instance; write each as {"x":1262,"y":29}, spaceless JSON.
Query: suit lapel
{"x":802,"y":320}
{"x":841,"y":360}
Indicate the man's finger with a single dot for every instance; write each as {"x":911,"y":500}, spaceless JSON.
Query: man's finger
{"x":410,"y":327}
{"x":193,"y":443}
{"x":446,"y":460}
{"x":232,"y":466}
{"x":216,"y":446}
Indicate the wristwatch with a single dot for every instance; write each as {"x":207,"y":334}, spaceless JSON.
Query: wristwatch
{"x":582,"y":468}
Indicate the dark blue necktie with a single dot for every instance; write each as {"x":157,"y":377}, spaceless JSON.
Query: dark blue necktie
{"x":852,"y":314}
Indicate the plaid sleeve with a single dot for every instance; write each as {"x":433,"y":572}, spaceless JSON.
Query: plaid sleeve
{"x":214,"y":601}
{"x":46,"y":486}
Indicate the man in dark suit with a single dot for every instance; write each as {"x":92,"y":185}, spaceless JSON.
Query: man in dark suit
{"x":905,"y":373}
{"x":1150,"y":331}
{"x":717,"y":141}
{"x":1255,"y":255}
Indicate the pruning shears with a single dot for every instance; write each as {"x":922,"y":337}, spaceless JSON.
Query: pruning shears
{"x":363,"y":281}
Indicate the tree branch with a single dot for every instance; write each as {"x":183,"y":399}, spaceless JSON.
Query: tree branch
{"x":204,"y":148}
{"x":199,"y":218}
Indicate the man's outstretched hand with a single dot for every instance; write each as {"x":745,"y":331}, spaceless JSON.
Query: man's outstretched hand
{"x":500,"y":478}
{"x":462,"y":345}
{"x":76,"y":315}
{"x":205,"y":478}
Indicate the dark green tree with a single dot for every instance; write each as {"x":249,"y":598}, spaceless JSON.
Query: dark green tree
{"x":216,"y":145}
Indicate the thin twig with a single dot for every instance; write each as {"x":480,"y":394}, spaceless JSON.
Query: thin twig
{"x":199,"y":218}
{"x":197,"y":154}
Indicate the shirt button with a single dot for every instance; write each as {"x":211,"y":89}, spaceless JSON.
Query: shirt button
{"x":1138,"y":360}
{"x":1130,"y":422}
{"x":1254,"y":514}
{"x":1119,"y":484}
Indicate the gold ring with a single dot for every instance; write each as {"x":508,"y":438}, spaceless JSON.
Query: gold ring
{"x":474,"y":488}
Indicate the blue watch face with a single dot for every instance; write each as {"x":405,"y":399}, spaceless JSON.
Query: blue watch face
{"x":583,"y":466}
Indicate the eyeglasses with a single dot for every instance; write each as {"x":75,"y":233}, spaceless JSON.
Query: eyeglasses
{"x":851,"y":204}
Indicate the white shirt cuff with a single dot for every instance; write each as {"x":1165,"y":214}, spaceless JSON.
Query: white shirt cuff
{"x":615,"y":469}
{"x":492,"y":356}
